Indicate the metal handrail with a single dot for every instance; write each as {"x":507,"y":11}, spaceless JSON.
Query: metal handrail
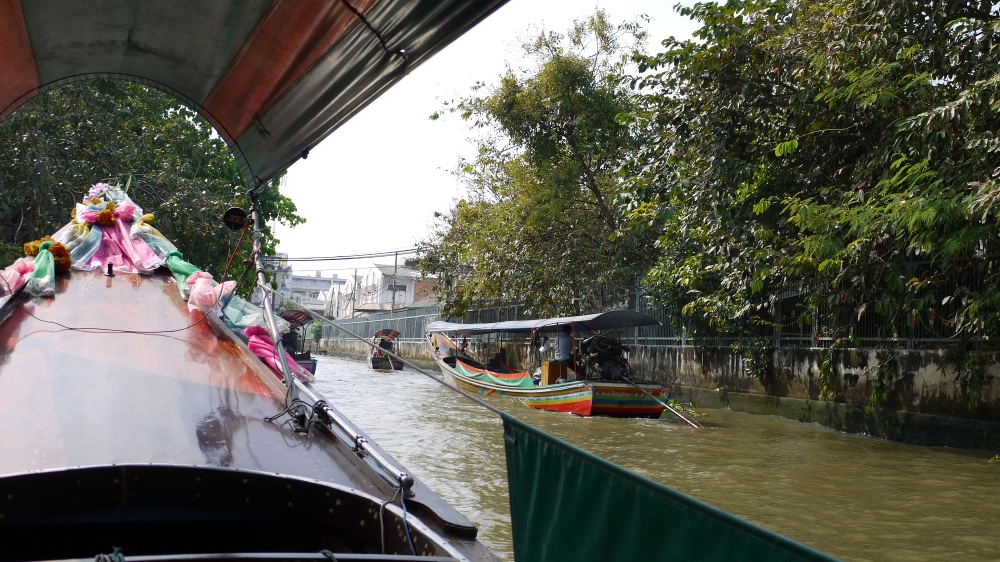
{"x":291,"y":394}
{"x":335,"y":423}
{"x":348,"y":433}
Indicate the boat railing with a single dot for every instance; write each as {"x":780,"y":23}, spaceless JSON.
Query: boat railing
{"x":291,"y":396}
{"x":347,"y":433}
{"x":321,"y":411}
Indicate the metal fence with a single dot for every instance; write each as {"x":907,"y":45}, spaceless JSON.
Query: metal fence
{"x":870,"y":328}
{"x":411,"y":323}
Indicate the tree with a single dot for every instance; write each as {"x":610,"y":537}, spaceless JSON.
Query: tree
{"x":837,"y":151}
{"x":538,"y":224}
{"x":63,"y":141}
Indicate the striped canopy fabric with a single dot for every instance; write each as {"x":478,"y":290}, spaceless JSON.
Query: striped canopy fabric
{"x":274,"y":77}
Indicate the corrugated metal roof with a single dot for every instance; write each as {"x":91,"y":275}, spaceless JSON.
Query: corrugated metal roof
{"x":400,"y":272}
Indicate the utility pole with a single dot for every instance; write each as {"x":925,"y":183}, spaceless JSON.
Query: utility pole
{"x":354,"y":299}
{"x":395,"y":262}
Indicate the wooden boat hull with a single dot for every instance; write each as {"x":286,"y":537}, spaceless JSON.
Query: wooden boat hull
{"x":145,"y":418}
{"x":384,"y":364}
{"x":583,"y":398}
{"x":571,"y":397}
{"x":620,"y":399}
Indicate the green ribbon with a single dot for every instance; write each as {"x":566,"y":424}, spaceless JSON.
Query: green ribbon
{"x":180,"y":268}
{"x":43,"y":280}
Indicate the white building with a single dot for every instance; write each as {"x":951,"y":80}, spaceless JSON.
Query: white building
{"x":383,"y":288}
{"x":312,"y":292}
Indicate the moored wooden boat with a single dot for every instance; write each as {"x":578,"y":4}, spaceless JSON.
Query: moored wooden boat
{"x":583,"y":398}
{"x":570,"y":397}
{"x":295,"y":338}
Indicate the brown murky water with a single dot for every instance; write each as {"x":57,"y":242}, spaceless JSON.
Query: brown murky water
{"x":853,"y":497}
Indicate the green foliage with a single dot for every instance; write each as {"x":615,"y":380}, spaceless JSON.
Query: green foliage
{"x":885,"y":373}
{"x":10,"y":252}
{"x":841,"y":151}
{"x":758,"y":356}
{"x":538,"y":225}
{"x":971,"y":369}
{"x":60,"y":143}
{"x":829,"y":382}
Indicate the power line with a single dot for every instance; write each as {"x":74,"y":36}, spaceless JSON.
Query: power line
{"x":383,"y":254}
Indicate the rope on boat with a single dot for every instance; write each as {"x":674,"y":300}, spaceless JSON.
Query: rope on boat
{"x":402,"y":503}
{"x":115,"y":556}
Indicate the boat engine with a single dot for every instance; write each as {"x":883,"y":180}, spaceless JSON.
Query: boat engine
{"x":606,"y":356}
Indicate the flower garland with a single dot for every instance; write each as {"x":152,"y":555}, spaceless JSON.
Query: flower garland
{"x":105,"y":217}
{"x":60,"y":253}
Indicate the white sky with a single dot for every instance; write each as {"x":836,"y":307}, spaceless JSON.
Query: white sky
{"x":375,"y":183}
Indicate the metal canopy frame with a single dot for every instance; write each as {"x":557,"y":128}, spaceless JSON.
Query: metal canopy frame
{"x":274,"y":77}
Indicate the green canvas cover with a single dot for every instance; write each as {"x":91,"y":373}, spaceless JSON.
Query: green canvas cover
{"x":567,"y":504}
{"x":514,"y":380}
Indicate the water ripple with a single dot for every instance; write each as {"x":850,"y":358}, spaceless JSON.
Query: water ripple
{"x":850,"y":496}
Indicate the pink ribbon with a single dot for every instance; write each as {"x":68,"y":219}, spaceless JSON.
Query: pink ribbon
{"x":15,"y":276}
{"x":261,"y":345}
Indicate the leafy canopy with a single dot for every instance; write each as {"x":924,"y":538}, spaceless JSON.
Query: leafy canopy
{"x":58,"y":144}
{"x":538,"y":223}
{"x":837,"y":157}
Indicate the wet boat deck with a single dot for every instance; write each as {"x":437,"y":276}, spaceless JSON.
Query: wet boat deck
{"x":115,"y":370}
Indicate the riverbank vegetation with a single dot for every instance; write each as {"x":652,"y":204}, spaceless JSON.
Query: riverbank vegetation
{"x":60,"y":143}
{"x":830,"y":165}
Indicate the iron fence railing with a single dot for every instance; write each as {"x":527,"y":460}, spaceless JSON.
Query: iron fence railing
{"x":792,"y":327}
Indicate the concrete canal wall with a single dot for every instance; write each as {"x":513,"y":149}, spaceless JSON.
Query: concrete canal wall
{"x":921,"y":403}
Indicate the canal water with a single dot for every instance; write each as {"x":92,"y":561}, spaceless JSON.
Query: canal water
{"x":853,"y":497}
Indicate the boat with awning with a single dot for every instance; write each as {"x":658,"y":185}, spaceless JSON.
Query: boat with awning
{"x":383,"y":344}
{"x":589,"y":395}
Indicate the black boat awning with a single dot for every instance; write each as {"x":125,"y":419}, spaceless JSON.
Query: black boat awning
{"x":600,"y":321}
{"x":274,"y":77}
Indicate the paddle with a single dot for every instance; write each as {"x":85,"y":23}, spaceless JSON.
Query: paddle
{"x":692,"y":423}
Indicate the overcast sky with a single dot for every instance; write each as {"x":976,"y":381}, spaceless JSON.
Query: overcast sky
{"x":375,"y":183}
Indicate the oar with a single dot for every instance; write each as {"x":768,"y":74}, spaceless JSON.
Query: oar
{"x":692,"y":423}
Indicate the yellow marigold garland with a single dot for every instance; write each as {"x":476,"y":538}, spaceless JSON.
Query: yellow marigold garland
{"x":61,"y":256}
{"x":105,"y":218}
{"x":31,"y":248}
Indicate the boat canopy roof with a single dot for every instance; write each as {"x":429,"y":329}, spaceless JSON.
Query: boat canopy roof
{"x":600,"y":321}
{"x":386,"y":334}
{"x":274,"y":77}
{"x":296,"y":318}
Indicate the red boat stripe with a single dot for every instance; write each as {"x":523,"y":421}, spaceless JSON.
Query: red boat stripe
{"x":18,"y":74}
{"x":290,"y":39}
